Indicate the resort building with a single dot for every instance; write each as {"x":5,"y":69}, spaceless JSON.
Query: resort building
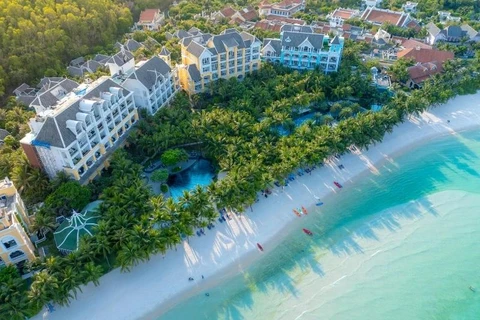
{"x":372,"y":3}
{"x":286,"y":8}
{"x":421,"y":72}
{"x":207,"y":58}
{"x":77,"y":127}
{"x":410,"y":6}
{"x":451,"y":34}
{"x":447,"y":16}
{"x":150,"y":19}
{"x":15,"y":245}
{"x":378,"y":17}
{"x":152,"y":82}
{"x":300,"y":47}
{"x":424,"y":55}
{"x":340,"y":15}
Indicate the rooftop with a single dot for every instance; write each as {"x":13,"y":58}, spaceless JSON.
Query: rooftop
{"x":148,"y":15}
{"x":425,"y":55}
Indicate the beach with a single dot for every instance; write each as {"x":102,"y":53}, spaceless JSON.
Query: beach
{"x":153,"y":287}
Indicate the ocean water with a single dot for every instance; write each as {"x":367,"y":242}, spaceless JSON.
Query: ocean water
{"x":400,"y":245}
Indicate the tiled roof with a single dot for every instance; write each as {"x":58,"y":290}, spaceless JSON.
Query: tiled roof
{"x":148,"y":15}
{"x":380,"y":16}
{"x":412,"y":43}
{"x":344,"y":13}
{"x":193,"y":72}
{"x":248,"y":13}
{"x":433,"y":29}
{"x":195,"y":49}
{"x":422,"y":71}
{"x":75,"y":71}
{"x":276,"y":44}
{"x":132,"y":45}
{"x":295,"y":39}
{"x":228,"y":12}
{"x":149,"y":72}
{"x":425,"y":55}
{"x":54,"y":130}
{"x":3,"y":134}
{"x":121,"y":58}
{"x":286,"y":20}
{"x":47,"y":99}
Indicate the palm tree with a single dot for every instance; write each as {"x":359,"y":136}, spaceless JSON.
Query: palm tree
{"x":91,"y":273}
{"x":101,"y":245}
{"x":45,"y":287}
{"x":129,"y":256}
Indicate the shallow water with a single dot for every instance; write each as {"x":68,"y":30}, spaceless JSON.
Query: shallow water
{"x":400,"y":245}
{"x":201,"y":173}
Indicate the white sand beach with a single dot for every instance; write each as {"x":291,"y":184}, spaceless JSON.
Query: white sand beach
{"x":153,"y":287}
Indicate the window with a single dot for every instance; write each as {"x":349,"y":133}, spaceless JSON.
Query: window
{"x":9,"y":242}
{"x":16,"y":254}
{"x":231,"y":54}
{"x":206,"y":60}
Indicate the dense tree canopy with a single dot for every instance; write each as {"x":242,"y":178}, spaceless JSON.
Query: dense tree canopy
{"x":36,"y":36}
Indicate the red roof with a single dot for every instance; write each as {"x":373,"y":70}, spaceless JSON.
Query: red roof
{"x":422,"y":71}
{"x":287,"y":20}
{"x":148,"y":15}
{"x":412,"y":44}
{"x":249,"y":14}
{"x":344,"y":13}
{"x":382,"y":16}
{"x":425,"y":55}
{"x":228,"y":12}
{"x":414,"y":25}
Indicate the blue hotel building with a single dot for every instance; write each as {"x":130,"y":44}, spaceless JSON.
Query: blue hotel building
{"x":300,"y":47}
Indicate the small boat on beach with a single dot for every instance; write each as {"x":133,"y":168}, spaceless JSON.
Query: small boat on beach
{"x":259,"y":246}
{"x":339,"y":186}
{"x":297,"y":213}
{"x":310,"y":233}
{"x":304,"y":210}
{"x":318,"y":204}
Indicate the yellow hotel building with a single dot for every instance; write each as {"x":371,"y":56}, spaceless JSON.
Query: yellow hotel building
{"x":15,"y":245}
{"x":207,"y":58}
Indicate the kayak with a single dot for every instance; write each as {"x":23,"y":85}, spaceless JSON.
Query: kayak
{"x":319,"y":204}
{"x":304,"y":210}
{"x":338,"y":184}
{"x":296,"y":212}
{"x":308,"y":232}
{"x":260,"y":246}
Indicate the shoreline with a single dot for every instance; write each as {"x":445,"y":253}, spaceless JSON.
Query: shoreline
{"x":152,"y":288}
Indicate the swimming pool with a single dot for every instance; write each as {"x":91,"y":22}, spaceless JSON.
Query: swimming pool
{"x":298,"y":122}
{"x":201,"y":173}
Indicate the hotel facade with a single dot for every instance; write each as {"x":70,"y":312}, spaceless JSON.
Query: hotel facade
{"x":15,"y":245}
{"x":77,"y":127}
{"x":299,"y":47}
{"x":207,"y":58}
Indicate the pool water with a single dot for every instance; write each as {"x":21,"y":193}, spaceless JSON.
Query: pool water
{"x":201,"y":173}
{"x":298,"y":122}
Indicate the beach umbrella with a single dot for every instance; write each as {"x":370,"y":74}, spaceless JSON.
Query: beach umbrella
{"x":68,"y":234}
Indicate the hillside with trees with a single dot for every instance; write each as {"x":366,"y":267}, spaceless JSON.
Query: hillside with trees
{"x":37,"y":38}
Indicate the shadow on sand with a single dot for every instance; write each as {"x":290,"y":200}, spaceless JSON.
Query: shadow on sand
{"x":399,"y":184}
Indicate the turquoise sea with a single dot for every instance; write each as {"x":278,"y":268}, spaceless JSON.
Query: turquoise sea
{"x":403,"y":244}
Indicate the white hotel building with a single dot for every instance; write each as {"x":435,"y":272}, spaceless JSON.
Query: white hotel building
{"x":77,"y":127}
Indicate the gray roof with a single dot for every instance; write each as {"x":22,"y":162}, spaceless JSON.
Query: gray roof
{"x":296,"y":28}
{"x":149,"y":72}
{"x":164,"y":52}
{"x":91,"y":66}
{"x":47,"y":98}
{"x":470,"y":32}
{"x":48,"y":82}
{"x":75,"y":71}
{"x":194,"y":73}
{"x":336,"y":40}
{"x":54,"y":130}
{"x":195,"y":49}
{"x":151,"y":43}
{"x":22,"y":88}
{"x":182,"y":34}
{"x":433,"y":29}
{"x":77,"y":62}
{"x":276,"y":44}
{"x":120,"y":58}
{"x":454,"y":31}
{"x":295,"y":39}
{"x":26,"y":100}
{"x":3,"y":134}
{"x":194,"y":31}
{"x":101,"y":58}
{"x":228,"y":40}
{"x":132,"y":45}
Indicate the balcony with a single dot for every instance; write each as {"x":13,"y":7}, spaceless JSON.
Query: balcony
{"x":72,"y":151}
{"x":83,"y":143}
{"x":17,"y":256}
